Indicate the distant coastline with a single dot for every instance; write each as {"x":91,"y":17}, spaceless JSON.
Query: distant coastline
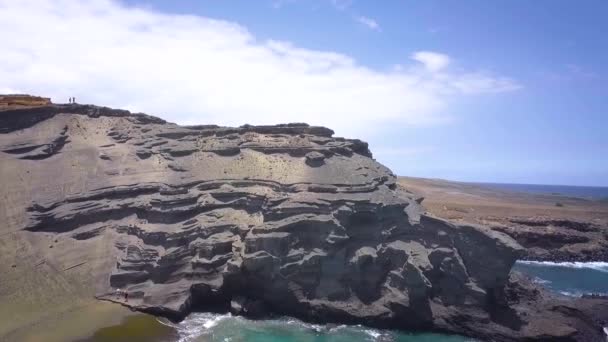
{"x":586,"y":192}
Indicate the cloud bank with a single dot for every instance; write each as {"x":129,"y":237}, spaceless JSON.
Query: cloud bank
{"x":191,"y":69}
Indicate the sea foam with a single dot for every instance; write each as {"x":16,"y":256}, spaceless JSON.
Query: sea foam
{"x":595,"y":265}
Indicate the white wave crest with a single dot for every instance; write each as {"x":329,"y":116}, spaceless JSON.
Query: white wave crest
{"x":594,"y":265}
{"x":373,"y":333}
{"x":297,"y":322}
{"x":541,"y":281}
{"x":196,"y":324}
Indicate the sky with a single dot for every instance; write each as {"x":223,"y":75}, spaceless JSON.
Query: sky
{"x":483,"y":91}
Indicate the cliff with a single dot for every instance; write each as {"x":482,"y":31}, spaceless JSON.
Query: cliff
{"x":256,"y":219}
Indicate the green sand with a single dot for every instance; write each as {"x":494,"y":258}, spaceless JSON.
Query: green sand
{"x":136,"y":328}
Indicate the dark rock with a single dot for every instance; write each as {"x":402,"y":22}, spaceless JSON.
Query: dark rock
{"x":315,"y":158}
{"x":143,"y":154}
{"x":577,"y":225}
{"x":39,"y":149}
{"x":558,"y":239}
{"x":253,"y":308}
{"x":595,"y":296}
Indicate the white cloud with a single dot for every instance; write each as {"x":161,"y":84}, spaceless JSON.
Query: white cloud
{"x":342,"y":4}
{"x":432,"y":61}
{"x":368,"y":22}
{"x":191,"y":69}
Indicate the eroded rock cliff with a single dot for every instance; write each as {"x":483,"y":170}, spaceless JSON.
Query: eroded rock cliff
{"x":257,"y":219}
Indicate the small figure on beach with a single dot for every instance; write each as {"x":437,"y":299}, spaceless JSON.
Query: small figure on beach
{"x":118,"y":291}
{"x":126,"y":296}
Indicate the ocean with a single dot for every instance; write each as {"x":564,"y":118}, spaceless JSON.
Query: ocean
{"x":587,"y":192}
{"x":567,"y":278}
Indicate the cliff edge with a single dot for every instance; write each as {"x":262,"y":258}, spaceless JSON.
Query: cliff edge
{"x":255,"y":219}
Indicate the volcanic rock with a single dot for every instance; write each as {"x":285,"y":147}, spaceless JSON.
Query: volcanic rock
{"x":254,"y":219}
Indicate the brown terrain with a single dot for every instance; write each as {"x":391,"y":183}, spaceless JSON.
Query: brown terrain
{"x":550,"y":226}
{"x":15,"y":101}
{"x":256,"y":220}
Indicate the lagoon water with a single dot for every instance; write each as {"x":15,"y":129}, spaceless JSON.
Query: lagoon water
{"x":208,"y":327}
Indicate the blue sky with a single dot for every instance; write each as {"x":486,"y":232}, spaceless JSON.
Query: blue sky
{"x":493,"y":91}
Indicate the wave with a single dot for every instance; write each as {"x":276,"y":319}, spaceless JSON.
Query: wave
{"x":600,"y":266}
{"x":374,"y":334}
{"x":225,"y":327}
{"x":576,"y":294}
{"x":196,"y":324}
{"x":541,"y":281}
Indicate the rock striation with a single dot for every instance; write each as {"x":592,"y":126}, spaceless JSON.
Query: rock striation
{"x":265,"y":219}
{"x":549,"y":239}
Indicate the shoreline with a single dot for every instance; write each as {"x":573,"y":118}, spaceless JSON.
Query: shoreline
{"x":76,"y":323}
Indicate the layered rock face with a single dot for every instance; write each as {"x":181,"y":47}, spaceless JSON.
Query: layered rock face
{"x":285,"y":219}
{"x":558,"y":239}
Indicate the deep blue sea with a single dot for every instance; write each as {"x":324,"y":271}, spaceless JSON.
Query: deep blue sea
{"x":568,"y":278}
{"x":588,"y":192}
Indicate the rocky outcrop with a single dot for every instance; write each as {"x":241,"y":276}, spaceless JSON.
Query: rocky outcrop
{"x":558,"y":239}
{"x":551,"y":227}
{"x":258,"y":219}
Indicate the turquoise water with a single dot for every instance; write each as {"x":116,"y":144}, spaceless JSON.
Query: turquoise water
{"x":568,"y":278}
{"x":209,"y":327}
